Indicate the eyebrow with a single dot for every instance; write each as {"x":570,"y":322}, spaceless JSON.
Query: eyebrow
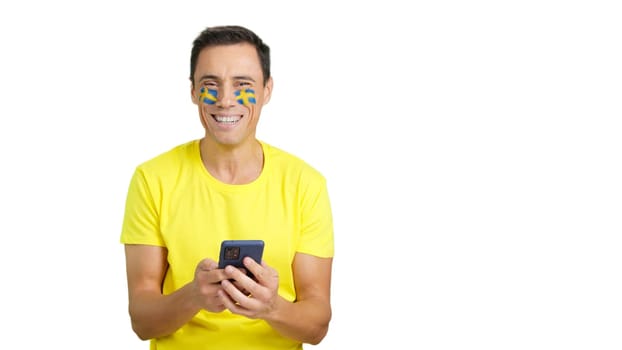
{"x":208,"y":77}
{"x":243,"y":77}
{"x":214,"y":77}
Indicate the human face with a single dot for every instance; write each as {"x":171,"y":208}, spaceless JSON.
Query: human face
{"x":226,"y":71}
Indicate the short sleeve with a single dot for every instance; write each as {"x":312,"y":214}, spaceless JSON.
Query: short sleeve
{"x":317,"y":221}
{"x":141,"y":221}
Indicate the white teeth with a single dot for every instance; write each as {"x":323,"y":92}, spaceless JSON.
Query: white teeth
{"x":229,"y":119}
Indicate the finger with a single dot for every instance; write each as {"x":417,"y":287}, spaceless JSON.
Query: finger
{"x":217,"y":304}
{"x":240,"y":287}
{"x":253,"y":267}
{"x":240,"y":280}
{"x":228,"y":302}
{"x":218,"y":300}
{"x":237,"y":274}
{"x":207,"y":265}
{"x":235,"y":294}
{"x":237,"y":309}
{"x":233,"y":277}
{"x":235,"y":298}
{"x":208,"y":272}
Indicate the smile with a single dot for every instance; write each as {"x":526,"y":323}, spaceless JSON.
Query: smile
{"x":227,"y":119}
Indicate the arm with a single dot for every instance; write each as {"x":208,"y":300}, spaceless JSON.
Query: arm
{"x":306,"y":319}
{"x":155,"y":315}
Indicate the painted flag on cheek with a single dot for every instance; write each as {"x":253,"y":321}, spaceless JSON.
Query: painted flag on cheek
{"x":208,"y":96}
{"x":245,"y":96}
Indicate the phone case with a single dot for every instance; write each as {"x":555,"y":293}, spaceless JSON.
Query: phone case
{"x":232,"y":252}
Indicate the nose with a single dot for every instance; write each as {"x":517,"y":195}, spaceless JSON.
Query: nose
{"x":226,"y":97}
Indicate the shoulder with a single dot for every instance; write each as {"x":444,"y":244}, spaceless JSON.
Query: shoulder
{"x":170,"y":159}
{"x":291,"y":164}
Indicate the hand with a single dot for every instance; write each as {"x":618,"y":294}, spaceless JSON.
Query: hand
{"x":253,"y":298}
{"x":206,"y":285}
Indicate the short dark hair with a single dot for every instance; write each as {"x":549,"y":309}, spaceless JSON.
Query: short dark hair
{"x":230,"y":35}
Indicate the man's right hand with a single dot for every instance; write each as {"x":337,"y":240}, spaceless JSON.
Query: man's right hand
{"x":206,"y":285}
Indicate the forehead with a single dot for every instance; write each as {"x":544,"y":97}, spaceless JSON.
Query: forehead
{"x":225,"y":61}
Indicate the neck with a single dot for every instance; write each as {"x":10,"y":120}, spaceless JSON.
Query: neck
{"x":235,"y":165}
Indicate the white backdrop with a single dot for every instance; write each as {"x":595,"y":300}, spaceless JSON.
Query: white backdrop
{"x":472,"y":150}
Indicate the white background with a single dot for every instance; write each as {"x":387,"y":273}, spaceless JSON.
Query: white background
{"x":472,"y":148}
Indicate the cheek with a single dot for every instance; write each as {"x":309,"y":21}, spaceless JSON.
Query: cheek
{"x":252,"y":111}
{"x":207,"y":96}
{"x":245,"y":97}
{"x":203,"y":114}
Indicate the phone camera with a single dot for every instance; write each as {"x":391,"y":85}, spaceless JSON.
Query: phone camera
{"x":232,"y":253}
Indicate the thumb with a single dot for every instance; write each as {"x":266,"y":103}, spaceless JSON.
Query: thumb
{"x":207,"y":265}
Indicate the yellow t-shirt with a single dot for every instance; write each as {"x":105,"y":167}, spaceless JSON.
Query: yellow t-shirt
{"x":174,"y":202}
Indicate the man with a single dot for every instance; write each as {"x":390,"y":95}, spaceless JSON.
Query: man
{"x":228,"y":185}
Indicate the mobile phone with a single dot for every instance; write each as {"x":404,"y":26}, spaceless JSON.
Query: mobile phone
{"x":233,"y":252}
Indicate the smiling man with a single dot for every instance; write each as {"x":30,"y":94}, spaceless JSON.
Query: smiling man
{"x":183,"y":203}
{"x":229,"y":74}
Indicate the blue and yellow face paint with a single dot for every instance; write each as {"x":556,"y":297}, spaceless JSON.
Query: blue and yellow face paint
{"x":245,"y":96}
{"x":208,"y":96}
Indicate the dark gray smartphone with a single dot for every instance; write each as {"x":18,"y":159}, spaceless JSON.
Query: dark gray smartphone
{"x":232,"y":252}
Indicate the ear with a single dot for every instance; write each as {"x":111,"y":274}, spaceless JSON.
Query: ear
{"x":193,"y":96}
{"x":267,"y":91}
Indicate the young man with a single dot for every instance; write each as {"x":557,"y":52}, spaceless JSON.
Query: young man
{"x":228,"y":185}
